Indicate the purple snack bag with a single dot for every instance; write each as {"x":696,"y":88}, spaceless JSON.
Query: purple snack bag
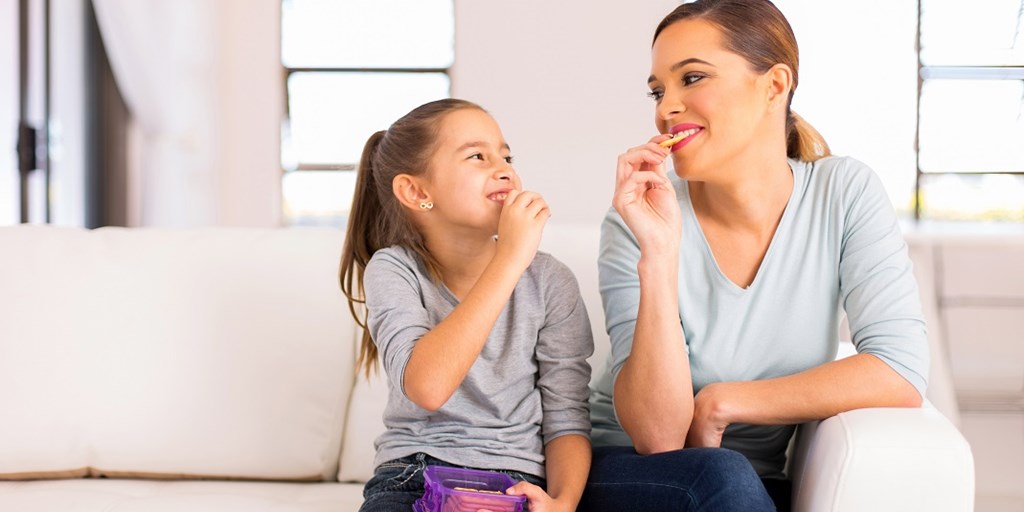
{"x":449,"y":489}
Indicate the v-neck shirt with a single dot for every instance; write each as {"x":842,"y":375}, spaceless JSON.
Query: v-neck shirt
{"x":838,"y":247}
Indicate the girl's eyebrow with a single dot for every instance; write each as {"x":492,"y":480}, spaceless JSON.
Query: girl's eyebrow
{"x":680,"y":64}
{"x":480,"y":143}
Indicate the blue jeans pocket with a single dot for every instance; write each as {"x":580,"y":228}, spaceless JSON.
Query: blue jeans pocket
{"x":399,"y":475}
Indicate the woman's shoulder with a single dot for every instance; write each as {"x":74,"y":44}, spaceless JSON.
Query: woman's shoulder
{"x":839,"y":176}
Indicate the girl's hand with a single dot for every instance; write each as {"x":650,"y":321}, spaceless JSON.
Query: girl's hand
{"x":538,"y":499}
{"x":520,"y":227}
{"x":709,"y":418}
{"x":645,"y":198}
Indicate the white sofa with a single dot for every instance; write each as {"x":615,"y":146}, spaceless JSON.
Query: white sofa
{"x":212,"y":370}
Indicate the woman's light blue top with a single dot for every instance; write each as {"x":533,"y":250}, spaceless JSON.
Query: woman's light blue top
{"x":837,"y":248}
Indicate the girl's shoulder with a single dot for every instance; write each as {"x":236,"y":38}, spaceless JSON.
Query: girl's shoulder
{"x":392,"y":258}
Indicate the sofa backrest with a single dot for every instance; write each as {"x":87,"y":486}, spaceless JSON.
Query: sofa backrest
{"x":151,"y":352}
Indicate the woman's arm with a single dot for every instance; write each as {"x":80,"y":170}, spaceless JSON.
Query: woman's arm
{"x":882,"y":303}
{"x":653,"y":393}
{"x":855,"y":382}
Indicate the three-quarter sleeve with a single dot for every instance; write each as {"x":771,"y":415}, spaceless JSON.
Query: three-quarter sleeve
{"x":563,"y":345}
{"x":877,"y":284}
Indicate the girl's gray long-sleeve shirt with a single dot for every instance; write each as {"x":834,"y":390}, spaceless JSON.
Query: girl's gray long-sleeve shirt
{"x":527,"y":387}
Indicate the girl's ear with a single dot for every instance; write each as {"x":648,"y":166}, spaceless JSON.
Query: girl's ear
{"x":409,"y":191}
{"x":779,"y":80}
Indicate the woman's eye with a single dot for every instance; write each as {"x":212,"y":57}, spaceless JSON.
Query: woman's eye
{"x":655,"y":95}
{"x":477,"y":156}
{"x":509,"y":159}
{"x":692,"y":79}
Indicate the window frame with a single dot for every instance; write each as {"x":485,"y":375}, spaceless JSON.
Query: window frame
{"x":288,"y":71}
{"x":945,"y":72}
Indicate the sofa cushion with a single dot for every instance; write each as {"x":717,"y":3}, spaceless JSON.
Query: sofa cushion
{"x":150,"y":496}
{"x":204,"y":353}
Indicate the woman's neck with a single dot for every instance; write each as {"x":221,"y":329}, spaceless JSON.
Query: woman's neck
{"x":748,"y":194}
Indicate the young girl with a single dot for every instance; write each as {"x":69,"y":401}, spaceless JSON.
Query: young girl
{"x":483,"y":339}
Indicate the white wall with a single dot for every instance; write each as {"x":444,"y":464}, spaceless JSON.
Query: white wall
{"x":250,"y":109}
{"x":567,"y":82}
{"x":8,"y":112}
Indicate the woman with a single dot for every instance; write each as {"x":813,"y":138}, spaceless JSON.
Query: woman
{"x":724,"y":289}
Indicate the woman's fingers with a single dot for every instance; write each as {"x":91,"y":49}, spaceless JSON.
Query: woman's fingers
{"x":647,"y":157}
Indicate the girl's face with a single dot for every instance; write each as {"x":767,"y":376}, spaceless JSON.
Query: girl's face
{"x":471,"y":171}
{"x":703,"y":89}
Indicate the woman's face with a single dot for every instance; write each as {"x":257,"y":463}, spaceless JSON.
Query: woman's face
{"x":709,"y":92}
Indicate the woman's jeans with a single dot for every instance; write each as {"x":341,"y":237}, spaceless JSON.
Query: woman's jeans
{"x":693,"y":479}
{"x":398,"y":483}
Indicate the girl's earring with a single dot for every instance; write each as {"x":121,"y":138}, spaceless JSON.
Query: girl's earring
{"x":426,"y":205}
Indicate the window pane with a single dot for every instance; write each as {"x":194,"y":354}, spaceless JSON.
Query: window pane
{"x":973,"y":197}
{"x":367,"y":33}
{"x":317,"y":198}
{"x":972,"y":126}
{"x":988,"y":33}
{"x":332,"y":114}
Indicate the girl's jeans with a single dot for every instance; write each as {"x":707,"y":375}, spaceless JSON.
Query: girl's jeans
{"x":398,"y":483}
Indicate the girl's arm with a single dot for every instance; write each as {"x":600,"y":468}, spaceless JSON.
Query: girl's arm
{"x":441,"y":359}
{"x":568,"y":463}
{"x":653,"y":393}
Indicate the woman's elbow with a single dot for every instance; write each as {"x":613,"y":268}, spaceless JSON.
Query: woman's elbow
{"x":655,"y":446}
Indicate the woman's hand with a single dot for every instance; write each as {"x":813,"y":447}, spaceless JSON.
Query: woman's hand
{"x":645,"y":198}
{"x":539,"y":500}
{"x":520,"y":227}
{"x":710,"y":417}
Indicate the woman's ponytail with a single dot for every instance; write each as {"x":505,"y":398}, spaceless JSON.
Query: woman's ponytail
{"x":803,"y":142}
{"x":361,"y":241}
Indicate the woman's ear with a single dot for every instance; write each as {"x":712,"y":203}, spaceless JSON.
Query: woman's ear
{"x":779,"y":80}
{"x":410,"y":192}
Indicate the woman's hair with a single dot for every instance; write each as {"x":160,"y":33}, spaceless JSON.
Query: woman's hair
{"x":757,"y":31}
{"x":377,"y":220}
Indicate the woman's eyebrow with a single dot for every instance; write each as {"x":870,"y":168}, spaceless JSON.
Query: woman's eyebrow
{"x":680,"y":64}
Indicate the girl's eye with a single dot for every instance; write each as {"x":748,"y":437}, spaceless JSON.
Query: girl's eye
{"x":692,"y":78}
{"x":655,"y":95}
{"x":508,"y":159}
{"x":477,"y":156}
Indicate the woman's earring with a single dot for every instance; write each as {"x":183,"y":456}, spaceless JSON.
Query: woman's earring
{"x":426,"y":205}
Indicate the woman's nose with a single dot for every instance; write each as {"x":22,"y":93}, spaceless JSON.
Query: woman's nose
{"x":667,"y":111}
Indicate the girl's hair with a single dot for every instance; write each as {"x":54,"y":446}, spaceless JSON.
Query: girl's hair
{"x":377,"y":220}
{"x":757,"y":31}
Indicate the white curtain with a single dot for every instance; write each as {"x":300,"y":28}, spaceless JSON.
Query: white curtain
{"x":164,"y":57}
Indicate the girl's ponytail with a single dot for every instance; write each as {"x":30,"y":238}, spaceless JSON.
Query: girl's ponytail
{"x":803,"y":142}
{"x":377,"y":220}
{"x":361,"y":241}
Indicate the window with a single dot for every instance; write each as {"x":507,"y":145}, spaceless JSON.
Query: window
{"x":970,"y":160}
{"x":352,"y":68}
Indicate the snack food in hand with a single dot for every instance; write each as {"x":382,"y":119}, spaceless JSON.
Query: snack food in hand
{"x":667,"y":143}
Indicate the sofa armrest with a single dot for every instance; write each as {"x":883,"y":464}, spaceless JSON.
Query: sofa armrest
{"x":882,"y":459}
